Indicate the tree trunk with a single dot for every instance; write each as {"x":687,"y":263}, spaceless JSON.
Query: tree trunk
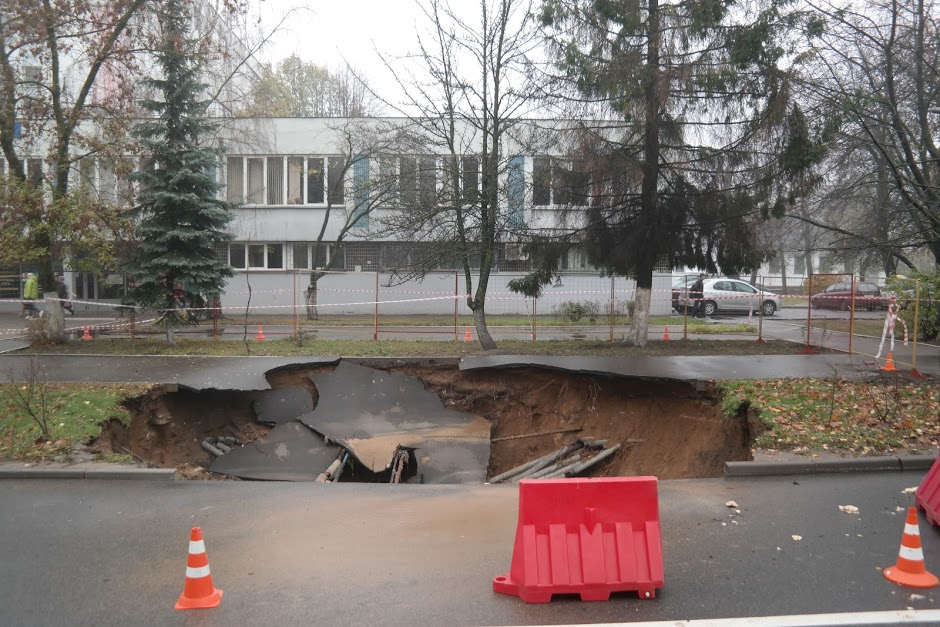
{"x":54,"y":316}
{"x":310,"y":296}
{"x":479,"y":321}
{"x":639,"y":324}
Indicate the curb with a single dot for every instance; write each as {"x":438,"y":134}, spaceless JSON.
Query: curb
{"x":810,"y":467}
{"x":124,"y":474}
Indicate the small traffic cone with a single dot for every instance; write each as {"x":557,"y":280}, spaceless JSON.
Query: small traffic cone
{"x":666,"y":333}
{"x":87,"y":335}
{"x":260,"y":335}
{"x":889,"y":365}
{"x":468,"y":337}
{"x":910,"y":569}
{"x":198,"y":591}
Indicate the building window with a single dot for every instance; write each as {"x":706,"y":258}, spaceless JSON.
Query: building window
{"x":275,"y":180}
{"x":86,"y":175}
{"x":34,"y":172}
{"x":300,"y":257}
{"x":559,"y":183}
{"x":236,"y":255}
{"x":470,"y":180}
{"x":315,"y":186}
{"x":427,"y":181}
{"x":255,"y":182}
{"x":304,"y":252}
{"x":362,"y":255}
{"x":235,"y":179}
{"x":337,"y":193}
{"x":361,"y":199}
{"x":417,"y":183}
{"x":257,"y":256}
{"x":295,"y":180}
{"x":515,"y":185}
{"x":408,"y":182}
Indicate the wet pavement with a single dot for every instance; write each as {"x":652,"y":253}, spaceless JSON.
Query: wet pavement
{"x":101,"y":553}
{"x":247,"y":373}
{"x":194,"y":372}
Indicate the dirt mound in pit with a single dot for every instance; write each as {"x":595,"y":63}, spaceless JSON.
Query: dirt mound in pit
{"x":681,"y":429}
{"x":168,"y":427}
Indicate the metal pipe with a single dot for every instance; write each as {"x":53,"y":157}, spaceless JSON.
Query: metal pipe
{"x":528,"y":465}
{"x":550,"y":470}
{"x":537,"y":470}
{"x":324,"y":476}
{"x":213,"y":450}
{"x":582,"y":466}
{"x":342,"y":467}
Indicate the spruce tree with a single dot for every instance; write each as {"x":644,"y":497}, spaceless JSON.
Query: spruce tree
{"x":692,"y":97}
{"x":179,"y":214}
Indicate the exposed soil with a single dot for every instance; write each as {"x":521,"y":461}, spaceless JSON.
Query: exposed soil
{"x":667,"y":429}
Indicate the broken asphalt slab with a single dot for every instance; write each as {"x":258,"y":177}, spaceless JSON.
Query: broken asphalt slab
{"x":289,"y":452}
{"x":276,"y":407}
{"x":373,"y":413}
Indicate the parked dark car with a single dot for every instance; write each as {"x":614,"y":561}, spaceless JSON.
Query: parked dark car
{"x":839,"y":296}
{"x":680,"y":288}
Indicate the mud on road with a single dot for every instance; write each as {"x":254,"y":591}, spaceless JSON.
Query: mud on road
{"x":669,"y":429}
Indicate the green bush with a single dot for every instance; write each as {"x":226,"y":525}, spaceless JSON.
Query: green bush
{"x":574,"y":311}
{"x":928,"y":309}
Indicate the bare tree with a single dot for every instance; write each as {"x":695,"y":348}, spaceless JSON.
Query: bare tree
{"x":298,"y":88}
{"x":364,"y":146}
{"x":877,"y":70}
{"x":467,"y":87}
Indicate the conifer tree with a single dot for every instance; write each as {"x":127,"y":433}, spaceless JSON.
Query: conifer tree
{"x":692,"y":96}
{"x":179,"y":213}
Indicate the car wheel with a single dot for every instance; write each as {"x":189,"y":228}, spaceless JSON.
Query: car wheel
{"x":768,"y":308}
{"x":814,"y":304}
{"x":844,"y":305}
{"x":710,"y":308}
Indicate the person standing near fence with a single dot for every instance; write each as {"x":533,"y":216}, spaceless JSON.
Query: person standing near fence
{"x":63,"y":292}
{"x":697,"y":293}
{"x":30,"y":295}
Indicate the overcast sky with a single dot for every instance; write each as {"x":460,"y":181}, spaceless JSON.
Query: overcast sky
{"x":328,"y":31}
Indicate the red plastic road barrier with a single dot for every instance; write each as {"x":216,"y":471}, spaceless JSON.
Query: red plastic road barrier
{"x":585,"y":536}
{"x":928,"y":494}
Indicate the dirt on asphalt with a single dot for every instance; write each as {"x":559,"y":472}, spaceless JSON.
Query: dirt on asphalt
{"x":668,"y":429}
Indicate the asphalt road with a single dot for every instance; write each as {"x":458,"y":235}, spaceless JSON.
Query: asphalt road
{"x":114,"y":553}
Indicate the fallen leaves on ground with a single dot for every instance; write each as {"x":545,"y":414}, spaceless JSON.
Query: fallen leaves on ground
{"x":859,"y":417}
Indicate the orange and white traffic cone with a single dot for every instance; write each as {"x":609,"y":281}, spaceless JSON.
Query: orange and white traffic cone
{"x":198,"y":591}
{"x":87,"y":335}
{"x":889,"y":364}
{"x":910,"y":569}
{"x":666,"y":333}
{"x":468,"y":337}
{"x":260,"y":335}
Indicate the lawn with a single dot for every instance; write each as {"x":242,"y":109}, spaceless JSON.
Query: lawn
{"x":884,"y":414}
{"x":69,"y":414}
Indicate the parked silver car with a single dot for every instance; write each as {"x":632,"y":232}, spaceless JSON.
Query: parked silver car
{"x":736,"y":296}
